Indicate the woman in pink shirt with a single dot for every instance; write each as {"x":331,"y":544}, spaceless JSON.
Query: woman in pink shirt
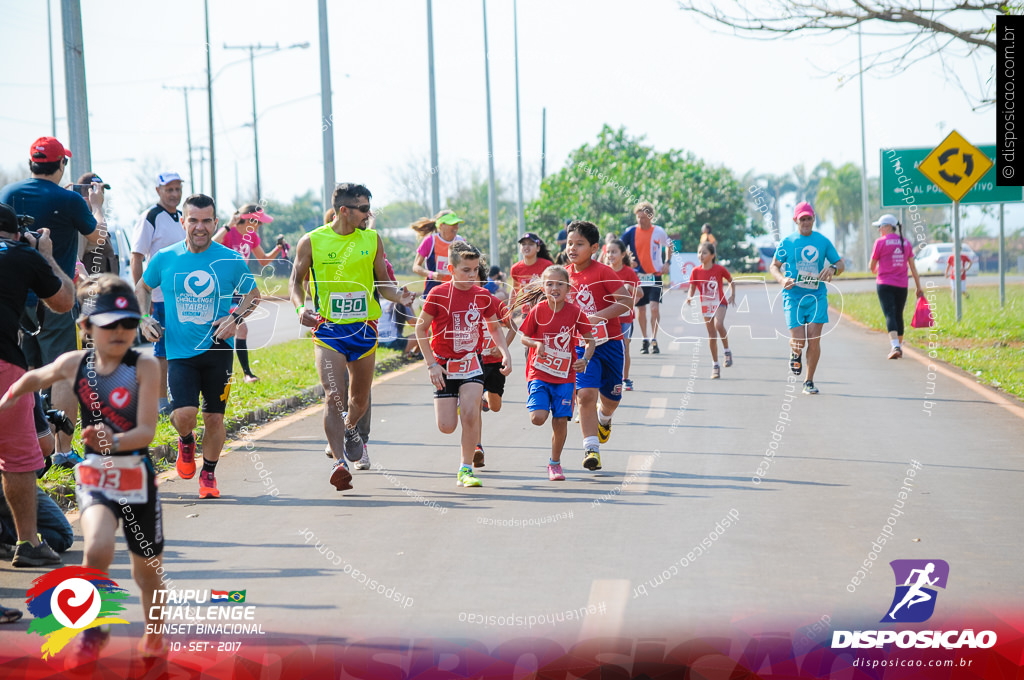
{"x":892,"y":256}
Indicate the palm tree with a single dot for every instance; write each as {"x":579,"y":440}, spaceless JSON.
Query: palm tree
{"x":774,"y":188}
{"x":839,"y":196}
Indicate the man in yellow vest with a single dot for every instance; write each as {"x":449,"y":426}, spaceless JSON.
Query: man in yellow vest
{"x":344,"y":263}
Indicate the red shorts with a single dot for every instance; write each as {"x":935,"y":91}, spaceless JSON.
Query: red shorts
{"x":19,"y":446}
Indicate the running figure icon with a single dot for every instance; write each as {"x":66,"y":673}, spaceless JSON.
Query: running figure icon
{"x":916,"y":595}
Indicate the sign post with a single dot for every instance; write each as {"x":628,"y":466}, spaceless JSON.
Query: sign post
{"x":955,"y":166}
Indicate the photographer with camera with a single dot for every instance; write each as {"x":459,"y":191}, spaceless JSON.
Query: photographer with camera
{"x":26,"y":264}
{"x":66,"y":215}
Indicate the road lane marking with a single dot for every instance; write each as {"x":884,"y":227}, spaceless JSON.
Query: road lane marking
{"x":656,"y":411}
{"x":638,"y":470}
{"x":668,"y":370}
{"x":609,"y":597}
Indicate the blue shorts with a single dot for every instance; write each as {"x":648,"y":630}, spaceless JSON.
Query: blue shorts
{"x":159,"y":349}
{"x":604,"y":370}
{"x":627,"y":329}
{"x":352,"y":340}
{"x":805,"y":309}
{"x":554,"y":397}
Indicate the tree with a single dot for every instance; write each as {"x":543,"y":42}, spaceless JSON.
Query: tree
{"x":773,"y":188}
{"x":949,"y":31}
{"x":604,"y":181}
{"x":839,"y":195}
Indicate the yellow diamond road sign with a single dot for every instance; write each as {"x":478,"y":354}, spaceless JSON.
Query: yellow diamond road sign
{"x":955,"y":166}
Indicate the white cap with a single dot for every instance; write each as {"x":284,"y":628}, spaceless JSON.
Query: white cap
{"x":165,"y":178}
{"x":886,"y":220}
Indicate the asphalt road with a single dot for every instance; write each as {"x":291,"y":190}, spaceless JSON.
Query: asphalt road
{"x":619,"y":551}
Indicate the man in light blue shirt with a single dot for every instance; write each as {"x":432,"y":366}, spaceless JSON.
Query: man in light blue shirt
{"x":198,"y":278}
{"x":804,"y":262}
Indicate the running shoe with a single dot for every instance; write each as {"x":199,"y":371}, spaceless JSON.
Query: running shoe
{"x":728,"y":358}
{"x":716,"y":372}
{"x":42,"y":555}
{"x":654,"y":347}
{"x":353,"y":444}
{"x":364,"y":462}
{"x":467,"y":478}
{"x":251,"y":378}
{"x":896,"y":353}
{"x":555,"y":473}
{"x":486,"y":407}
{"x":186,"y":463}
{"x":644,"y":347}
{"x":627,"y":384}
{"x":591,"y":459}
{"x":341,"y":478}
{"x":327,"y":450}
{"x":66,"y":460}
{"x":208,"y":485}
{"x":796,"y":363}
{"x":809,"y":387}
{"x":478,"y":456}
{"x":87,"y":647}
{"x":604,"y":432}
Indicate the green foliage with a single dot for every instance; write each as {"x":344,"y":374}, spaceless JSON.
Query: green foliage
{"x":604,"y":181}
{"x":302,"y":215}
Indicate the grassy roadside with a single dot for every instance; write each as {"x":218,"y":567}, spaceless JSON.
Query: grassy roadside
{"x":988,"y":341}
{"x":285,"y":370}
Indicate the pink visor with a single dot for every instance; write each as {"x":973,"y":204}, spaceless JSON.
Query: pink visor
{"x":259,"y":216}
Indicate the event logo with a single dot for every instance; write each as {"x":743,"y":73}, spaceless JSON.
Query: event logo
{"x":809,"y":254}
{"x":914,"y":601}
{"x":199,"y":284}
{"x":69,"y":600}
{"x":120,"y":397}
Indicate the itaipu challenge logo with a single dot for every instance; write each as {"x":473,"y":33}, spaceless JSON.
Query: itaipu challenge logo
{"x":914,"y":601}
{"x":69,"y":600}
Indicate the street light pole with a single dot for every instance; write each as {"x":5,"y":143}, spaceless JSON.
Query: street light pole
{"x":325,"y":105}
{"x":520,"y":217}
{"x":74,"y":79}
{"x":492,"y":198}
{"x":865,"y":208}
{"x":435,"y":171}
{"x":209,"y":105}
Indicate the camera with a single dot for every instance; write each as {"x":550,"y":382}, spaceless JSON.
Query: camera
{"x":60,"y":421}
{"x":24,"y":222}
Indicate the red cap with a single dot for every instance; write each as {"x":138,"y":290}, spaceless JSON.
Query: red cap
{"x":803,"y":208}
{"x":47,"y":150}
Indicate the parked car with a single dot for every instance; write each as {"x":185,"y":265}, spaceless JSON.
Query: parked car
{"x":933,"y":258}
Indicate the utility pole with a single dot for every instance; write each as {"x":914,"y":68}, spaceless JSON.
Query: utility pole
{"x":866,"y":217}
{"x":327,"y":123}
{"x":53,"y":96}
{"x":209,"y":105}
{"x":252,"y":75}
{"x":188,"y":130}
{"x":543,"y":140}
{"x":74,"y":82}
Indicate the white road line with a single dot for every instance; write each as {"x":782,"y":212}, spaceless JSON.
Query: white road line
{"x":656,"y":411}
{"x":668,"y":370}
{"x":637,"y":472}
{"x":609,"y":598}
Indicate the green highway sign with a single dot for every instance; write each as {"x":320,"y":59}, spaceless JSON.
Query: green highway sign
{"x":903,"y":184}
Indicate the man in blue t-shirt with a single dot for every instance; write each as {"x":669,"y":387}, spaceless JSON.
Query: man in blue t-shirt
{"x":198,"y":278}
{"x":66,"y":214}
{"x":804,"y":262}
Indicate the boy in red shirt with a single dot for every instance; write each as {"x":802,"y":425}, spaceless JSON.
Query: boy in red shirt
{"x":452,"y":314}
{"x":600,"y":293}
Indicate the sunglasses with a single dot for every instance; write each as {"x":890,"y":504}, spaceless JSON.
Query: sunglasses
{"x":361,"y":208}
{"x":127,"y":324}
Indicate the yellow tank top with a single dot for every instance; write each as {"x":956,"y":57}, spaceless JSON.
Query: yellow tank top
{"x":341,"y":278}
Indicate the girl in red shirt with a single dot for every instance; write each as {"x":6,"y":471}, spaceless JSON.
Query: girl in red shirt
{"x":616,"y":256}
{"x":710,"y":278}
{"x":549,"y":331}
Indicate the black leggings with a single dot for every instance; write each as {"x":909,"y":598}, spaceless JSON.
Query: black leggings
{"x":893,"y":299}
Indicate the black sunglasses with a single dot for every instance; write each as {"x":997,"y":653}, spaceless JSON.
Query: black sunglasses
{"x":127,"y":324}
{"x":360,"y":208}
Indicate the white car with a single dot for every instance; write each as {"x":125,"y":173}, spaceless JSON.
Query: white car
{"x":934,"y":257}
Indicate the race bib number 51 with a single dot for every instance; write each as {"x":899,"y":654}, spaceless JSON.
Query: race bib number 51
{"x":347,"y":306}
